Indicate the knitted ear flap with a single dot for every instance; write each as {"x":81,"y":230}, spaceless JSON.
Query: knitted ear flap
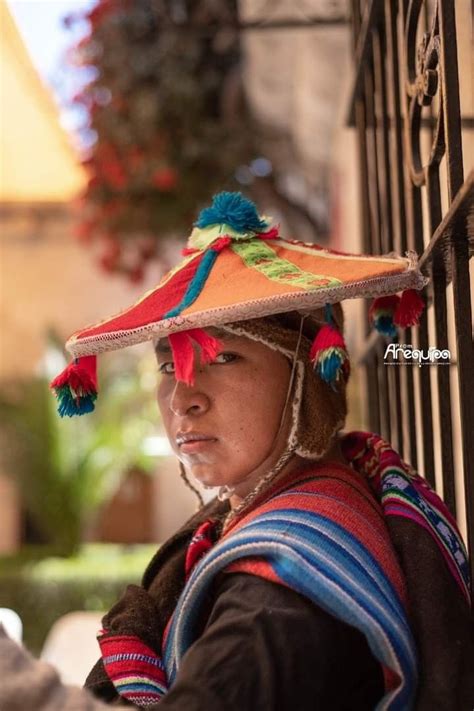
{"x":319,"y":411}
{"x":323,"y":405}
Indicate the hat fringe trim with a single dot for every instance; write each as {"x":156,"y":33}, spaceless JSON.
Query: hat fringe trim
{"x":254,"y":308}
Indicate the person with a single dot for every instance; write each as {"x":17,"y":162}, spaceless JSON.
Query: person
{"x":325,"y":573}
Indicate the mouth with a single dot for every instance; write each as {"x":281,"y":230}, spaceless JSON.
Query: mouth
{"x":190,"y":442}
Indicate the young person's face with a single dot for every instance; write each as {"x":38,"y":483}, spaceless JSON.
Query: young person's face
{"x":225,"y":426}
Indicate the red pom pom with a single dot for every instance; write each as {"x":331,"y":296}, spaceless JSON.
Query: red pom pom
{"x":409,"y":309}
{"x":327,"y":337}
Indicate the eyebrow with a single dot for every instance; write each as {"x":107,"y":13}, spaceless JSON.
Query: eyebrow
{"x":162,"y":345}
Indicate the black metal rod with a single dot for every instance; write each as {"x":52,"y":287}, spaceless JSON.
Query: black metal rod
{"x":444,"y":386}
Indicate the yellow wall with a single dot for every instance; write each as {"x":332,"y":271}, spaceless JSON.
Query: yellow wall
{"x":37,"y":162}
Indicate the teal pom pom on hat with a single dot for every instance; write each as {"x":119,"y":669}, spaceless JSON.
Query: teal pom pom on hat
{"x":232,"y":209}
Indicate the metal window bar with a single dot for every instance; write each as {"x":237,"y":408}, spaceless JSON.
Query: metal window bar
{"x":406,"y":85}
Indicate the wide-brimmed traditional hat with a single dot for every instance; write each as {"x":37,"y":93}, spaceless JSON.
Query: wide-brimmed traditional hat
{"x":237,"y":267}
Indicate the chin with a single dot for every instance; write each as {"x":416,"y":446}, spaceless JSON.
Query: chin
{"x":204,"y":474}
{"x":209,"y":481}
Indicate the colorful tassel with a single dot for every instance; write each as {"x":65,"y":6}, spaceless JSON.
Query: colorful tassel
{"x":409,"y":309}
{"x":183,"y":352}
{"x":76,"y":387}
{"x":208,"y":345}
{"x":232,"y":209}
{"x":328,"y":353}
{"x":381,"y":314}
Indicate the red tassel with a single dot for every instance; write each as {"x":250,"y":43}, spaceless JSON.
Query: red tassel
{"x":80,"y":374}
{"x":221,"y":243}
{"x":183,"y":352}
{"x":409,"y":309}
{"x":209,"y":345}
{"x":183,"y":357}
{"x":76,"y":387}
{"x":381,"y":314}
{"x":329,"y":355}
{"x":384,"y":304}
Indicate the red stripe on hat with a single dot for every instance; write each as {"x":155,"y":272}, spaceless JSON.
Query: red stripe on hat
{"x":153,"y":307}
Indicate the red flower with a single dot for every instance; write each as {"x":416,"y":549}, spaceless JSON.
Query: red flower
{"x":146,"y":247}
{"x":111,"y":247}
{"x":165,"y":179}
{"x":107,"y":264}
{"x":136,"y":274}
{"x":83,"y":232}
{"x":135,"y":158}
{"x":110,"y":257}
{"x":115,"y":174}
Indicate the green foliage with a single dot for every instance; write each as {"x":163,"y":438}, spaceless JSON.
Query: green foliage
{"x":43,"y":589}
{"x":65,"y":469}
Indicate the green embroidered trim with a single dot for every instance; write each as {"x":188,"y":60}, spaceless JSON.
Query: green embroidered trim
{"x":257,"y":254}
{"x":202,"y":238}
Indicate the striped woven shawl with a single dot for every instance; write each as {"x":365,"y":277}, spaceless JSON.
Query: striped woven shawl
{"x":322,"y":533}
{"x":325,"y":538}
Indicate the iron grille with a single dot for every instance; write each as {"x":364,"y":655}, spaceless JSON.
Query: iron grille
{"x":405,"y":105}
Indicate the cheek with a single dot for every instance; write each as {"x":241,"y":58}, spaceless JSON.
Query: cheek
{"x":163,"y":395}
{"x":254,"y":410}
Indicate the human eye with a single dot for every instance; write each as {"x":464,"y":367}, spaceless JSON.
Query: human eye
{"x":166,"y":368}
{"x":225,"y":357}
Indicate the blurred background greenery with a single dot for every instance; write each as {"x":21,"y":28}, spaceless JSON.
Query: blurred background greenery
{"x":41,"y":586}
{"x":66,"y":469}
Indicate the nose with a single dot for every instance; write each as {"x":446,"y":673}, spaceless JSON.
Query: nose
{"x":188,"y":400}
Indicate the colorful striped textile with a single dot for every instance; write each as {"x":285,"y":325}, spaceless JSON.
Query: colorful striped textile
{"x":325,"y":538}
{"x":403,"y":492}
{"x":322,"y":533}
{"x":134,"y":668}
